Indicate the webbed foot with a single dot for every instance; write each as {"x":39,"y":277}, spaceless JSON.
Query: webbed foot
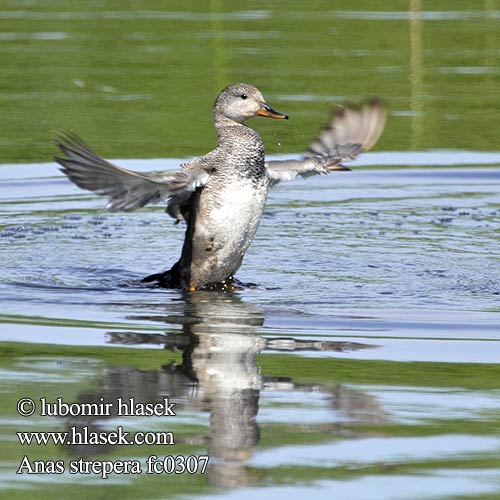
{"x":167,"y":279}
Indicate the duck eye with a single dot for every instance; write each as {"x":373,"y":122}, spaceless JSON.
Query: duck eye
{"x":243,"y":96}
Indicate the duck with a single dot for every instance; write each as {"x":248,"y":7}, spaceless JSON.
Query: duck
{"x":221,"y":196}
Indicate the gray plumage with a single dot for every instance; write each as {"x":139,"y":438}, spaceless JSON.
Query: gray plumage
{"x":349,"y":132}
{"x":126,"y":190}
{"x":222,"y":194}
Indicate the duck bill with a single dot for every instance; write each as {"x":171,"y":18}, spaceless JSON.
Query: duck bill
{"x":269,"y":112}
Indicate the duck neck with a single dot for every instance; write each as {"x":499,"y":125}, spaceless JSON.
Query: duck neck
{"x":241,"y":148}
{"x":222,"y":122}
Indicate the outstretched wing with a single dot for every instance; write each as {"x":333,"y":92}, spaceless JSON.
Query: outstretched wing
{"x":126,"y":190}
{"x":350,"y":132}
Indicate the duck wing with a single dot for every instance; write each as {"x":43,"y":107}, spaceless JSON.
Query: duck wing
{"x":126,"y":190}
{"x":350,"y":132}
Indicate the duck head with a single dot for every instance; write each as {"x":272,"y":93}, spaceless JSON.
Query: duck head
{"x":240,"y":101}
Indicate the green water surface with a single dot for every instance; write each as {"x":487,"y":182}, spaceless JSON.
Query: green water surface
{"x":405,"y":267}
{"x":137,"y":80}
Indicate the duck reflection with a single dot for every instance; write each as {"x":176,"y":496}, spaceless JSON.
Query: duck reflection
{"x":222,"y":358}
{"x":219,"y":336}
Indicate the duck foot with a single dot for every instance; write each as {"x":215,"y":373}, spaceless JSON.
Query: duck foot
{"x":230,"y":284}
{"x":162,"y":280}
{"x":167,"y":279}
{"x":171,"y":279}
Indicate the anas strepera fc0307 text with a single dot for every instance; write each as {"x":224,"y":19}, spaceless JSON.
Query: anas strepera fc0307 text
{"x":221,"y":195}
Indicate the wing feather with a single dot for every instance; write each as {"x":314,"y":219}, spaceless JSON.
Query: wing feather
{"x":126,"y":190}
{"x":350,"y":132}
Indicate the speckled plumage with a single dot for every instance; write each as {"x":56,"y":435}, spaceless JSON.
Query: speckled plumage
{"x":221,"y":195}
{"x":224,"y":215}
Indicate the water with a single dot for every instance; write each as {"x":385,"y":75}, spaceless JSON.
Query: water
{"x":366,"y":354}
{"x":364,"y":363}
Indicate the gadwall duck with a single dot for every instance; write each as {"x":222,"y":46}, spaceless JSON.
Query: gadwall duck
{"x":221,"y":195}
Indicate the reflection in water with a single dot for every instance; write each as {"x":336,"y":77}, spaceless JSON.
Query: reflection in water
{"x":219,"y":375}
{"x":490,"y":40}
{"x":416,"y":74}
{"x":221,"y":357}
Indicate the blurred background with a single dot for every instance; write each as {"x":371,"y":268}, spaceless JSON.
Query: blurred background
{"x":138,"y":79}
{"x":365,"y":363}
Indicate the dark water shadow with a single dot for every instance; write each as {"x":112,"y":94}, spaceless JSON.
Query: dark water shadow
{"x":219,"y":375}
